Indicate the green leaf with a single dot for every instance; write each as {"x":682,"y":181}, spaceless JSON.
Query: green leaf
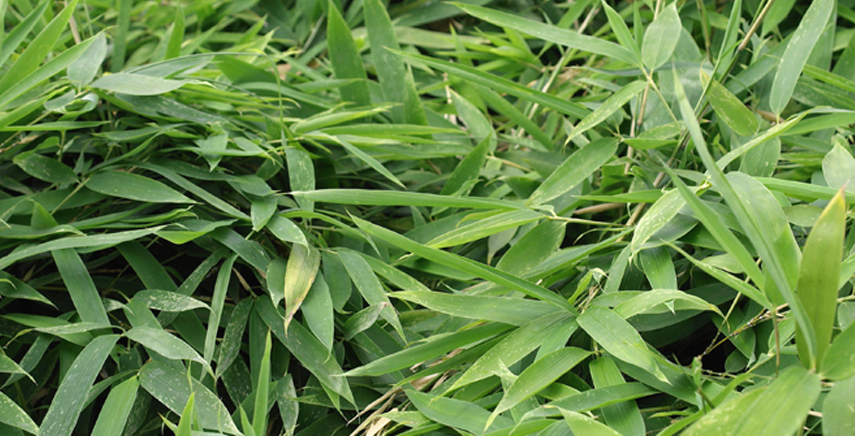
{"x":83,"y":70}
{"x":367,"y":197}
{"x":229,"y":348}
{"x":289,"y":408}
{"x":533,"y":248}
{"x":839,"y":362}
{"x":838,"y":409}
{"x":15,"y":37}
{"x":661,"y":213}
{"x":136,"y":84}
{"x":168,"y":301}
{"x":286,"y":230}
{"x":581,"y":424}
{"x":134,"y":187}
{"x":796,"y":54}
{"x":163,"y":343}
{"x":485,"y":227}
{"x":218,"y":299}
{"x":618,"y":337}
{"x":306,"y":348}
{"x":514,"y":311}
{"x":176,"y":35}
{"x":574,"y":170}
{"x":624,"y":417}
{"x":303,"y":264}
{"x":463,"y":264}
{"x":117,"y":407}
{"x":46,"y":71}
{"x":730,"y":109}
{"x":188,"y":417}
{"x":369,"y":286}
{"x":514,"y":347}
{"x":80,"y":286}
{"x":70,"y":398}
{"x":261,"y":211}
{"x":838,"y":168}
{"x":37,"y":49}
{"x":12,"y":415}
{"x":468,"y":169}
{"x":757,"y":229}
{"x":783,"y":406}
{"x":345,"y":58}
{"x":607,"y":109}
{"x":362,"y":320}
{"x":318,"y":312}
{"x":276,"y":279}
{"x":259,"y":415}
{"x":622,"y":33}
{"x":395,"y":80}
{"x":550,"y":33}
{"x":723,"y":419}
{"x":172,"y":388}
{"x":541,"y":374}
{"x":435,"y":346}
{"x":661,"y":37}
{"x":501,"y":84}
{"x":647,"y":300}
{"x":818,"y":276}
{"x":594,"y":399}
{"x":47,"y":169}
{"x":460,"y":414}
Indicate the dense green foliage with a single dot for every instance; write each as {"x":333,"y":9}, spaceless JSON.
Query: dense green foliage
{"x":508,"y":217}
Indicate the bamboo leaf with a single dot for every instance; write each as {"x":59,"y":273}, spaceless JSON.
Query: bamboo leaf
{"x":550,"y":33}
{"x":134,"y":187}
{"x":660,"y":38}
{"x":303,"y":264}
{"x":541,"y":374}
{"x":818,"y":276}
{"x":345,"y":58}
{"x":70,"y":398}
{"x":576,"y":168}
{"x":617,"y":337}
{"x":796,"y":54}
{"x":117,"y":408}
